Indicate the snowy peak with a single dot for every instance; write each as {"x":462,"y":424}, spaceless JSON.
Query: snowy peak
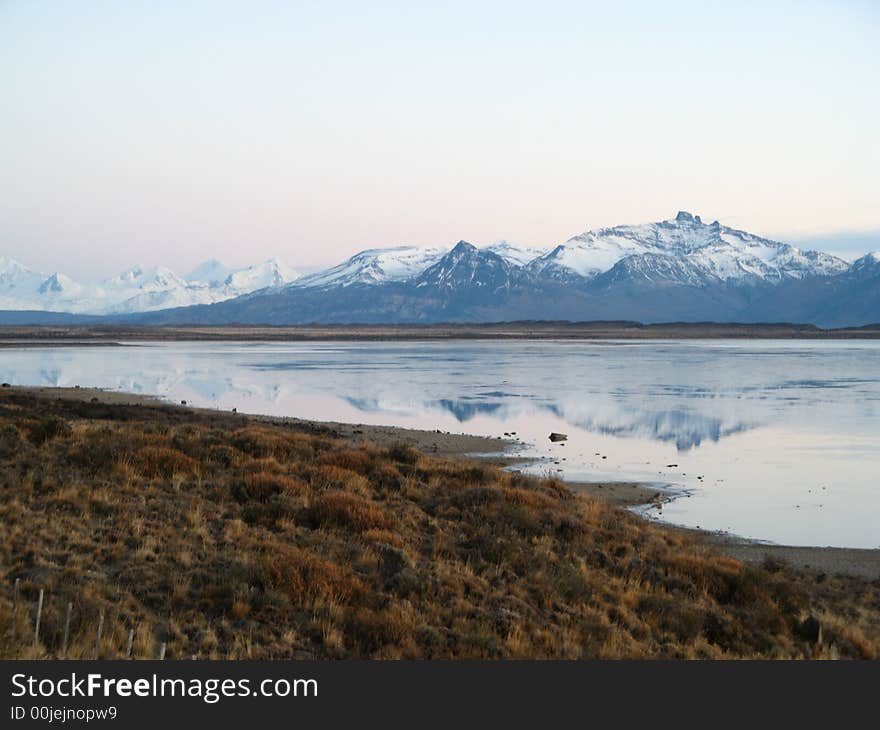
{"x":402,"y":263}
{"x":137,"y":289}
{"x":129,"y":277}
{"x":514,"y":253}
{"x":19,"y":284}
{"x":375,"y":266}
{"x":467,"y":266}
{"x":684,"y":217}
{"x":867,"y":266}
{"x":59,"y":284}
{"x":157,"y":278}
{"x":724,"y":253}
{"x":271,"y":273}
{"x":463,"y":248}
{"x":585,"y":256}
{"x":211,"y":272}
{"x":13,"y":274}
{"x":11,"y":268}
{"x":141,"y":290}
{"x":656,"y":270}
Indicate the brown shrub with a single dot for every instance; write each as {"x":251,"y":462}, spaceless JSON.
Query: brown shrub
{"x":384,"y":537}
{"x":529,"y":498}
{"x":403,"y":453}
{"x":101,"y":449}
{"x":222,"y":455}
{"x":386,"y":476}
{"x":668,"y":615}
{"x":44,"y":429}
{"x":268,"y":464}
{"x":303,"y":576}
{"x":726,"y":562}
{"x":240,"y":609}
{"x":300,"y":446}
{"x":261,"y":442}
{"x":258,"y":442}
{"x":350,"y":511}
{"x":10,"y":440}
{"x":165,"y":462}
{"x":558,"y":487}
{"x":336,"y":477}
{"x":356,"y":460}
{"x":261,"y":487}
{"x":374,"y":630}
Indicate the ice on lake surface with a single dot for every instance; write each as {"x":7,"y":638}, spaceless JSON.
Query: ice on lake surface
{"x":773,"y":440}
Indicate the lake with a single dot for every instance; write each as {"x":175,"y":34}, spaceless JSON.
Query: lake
{"x":771,"y":440}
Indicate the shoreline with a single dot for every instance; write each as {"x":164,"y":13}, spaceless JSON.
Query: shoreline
{"x":860,"y":562}
{"x":96,"y":335}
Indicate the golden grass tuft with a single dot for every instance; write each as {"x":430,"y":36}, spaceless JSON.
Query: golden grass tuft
{"x":262,"y":486}
{"x":360,"y":461}
{"x":164,"y":462}
{"x":331,"y":476}
{"x":351,"y":511}
{"x":305,"y":577}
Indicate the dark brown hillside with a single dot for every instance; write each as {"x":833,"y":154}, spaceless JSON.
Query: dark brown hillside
{"x":222,"y":536}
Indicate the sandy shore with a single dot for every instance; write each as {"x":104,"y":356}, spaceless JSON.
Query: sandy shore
{"x":834,"y":561}
{"x":846,"y":561}
{"x":82,"y":335}
{"x":440,"y":443}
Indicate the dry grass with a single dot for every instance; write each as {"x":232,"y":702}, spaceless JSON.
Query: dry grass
{"x":228,"y":538}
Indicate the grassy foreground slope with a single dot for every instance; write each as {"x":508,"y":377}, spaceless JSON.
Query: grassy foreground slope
{"x":222,"y":536}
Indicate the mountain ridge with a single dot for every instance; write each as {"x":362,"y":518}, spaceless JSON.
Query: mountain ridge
{"x":679,"y":269}
{"x":136,"y":289}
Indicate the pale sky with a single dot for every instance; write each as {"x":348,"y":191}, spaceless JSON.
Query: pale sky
{"x":171,"y":132}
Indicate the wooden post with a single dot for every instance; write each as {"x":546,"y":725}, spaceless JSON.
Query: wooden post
{"x":162,"y":651}
{"x":66,"y":630}
{"x":39,"y":616}
{"x":100,"y":630}
{"x":15,"y":591}
{"x":129,"y":643}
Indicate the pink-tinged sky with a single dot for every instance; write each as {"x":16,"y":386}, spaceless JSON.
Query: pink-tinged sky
{"x":171,"y":132}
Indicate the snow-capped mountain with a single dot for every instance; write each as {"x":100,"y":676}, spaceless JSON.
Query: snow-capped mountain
{"x":60,"y":285}
{"x":273,"y":272}
{"x":867,"y":265}
{"x":680,"y":269}
{"x":140,"y":289}
{"x":848,"y":299}
{"x":211,"y":272}
{"x":375,"y":266}
{"x":380,"y":265}
{"x":516,"y":254}
{"x":716,"y":251}
{"x":468,"y":266}
{"x":654,"y":269}
{"x":586,"y":255}
{"x":137,"y":289}
{"x":17,"y":281}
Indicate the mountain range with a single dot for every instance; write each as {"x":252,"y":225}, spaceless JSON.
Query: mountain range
{"x":137,"y":289}
{"x":680,"y":269}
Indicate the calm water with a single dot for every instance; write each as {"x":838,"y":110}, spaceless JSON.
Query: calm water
{"x":778,"y":441}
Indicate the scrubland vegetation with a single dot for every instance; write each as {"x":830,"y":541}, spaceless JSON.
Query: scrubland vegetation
{"x":226,"y":537}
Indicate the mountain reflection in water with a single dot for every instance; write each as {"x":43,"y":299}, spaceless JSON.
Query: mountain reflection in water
{"x":778,"y":440}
